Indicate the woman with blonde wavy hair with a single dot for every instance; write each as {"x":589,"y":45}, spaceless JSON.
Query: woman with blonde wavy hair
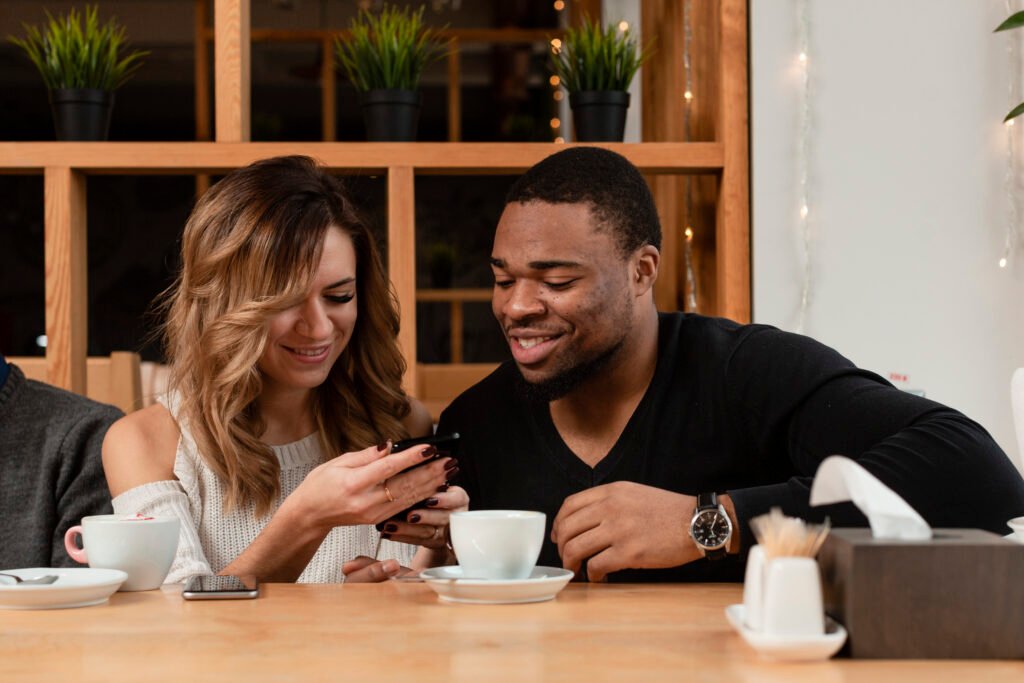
{"x":281,"y":333}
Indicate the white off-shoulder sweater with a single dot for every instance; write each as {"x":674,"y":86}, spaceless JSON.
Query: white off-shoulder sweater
{"x":212,"y":538}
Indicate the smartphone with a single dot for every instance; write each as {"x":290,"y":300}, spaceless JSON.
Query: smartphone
{"x":446,"y":445}
{"x":221,"y":588}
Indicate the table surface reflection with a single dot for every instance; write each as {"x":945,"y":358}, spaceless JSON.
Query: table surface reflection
{"x":403,"y":632}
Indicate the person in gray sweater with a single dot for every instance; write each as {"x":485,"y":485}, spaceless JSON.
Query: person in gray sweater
{"x":51,"y":473}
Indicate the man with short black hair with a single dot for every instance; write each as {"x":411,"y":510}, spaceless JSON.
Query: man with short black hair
{"x":651,"y":440}
{"x":51,"y":473}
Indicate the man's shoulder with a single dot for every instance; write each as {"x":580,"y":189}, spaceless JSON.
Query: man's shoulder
{"x":711,"y":334}
{"x":494,"y":392}
{"x":63,"y":405}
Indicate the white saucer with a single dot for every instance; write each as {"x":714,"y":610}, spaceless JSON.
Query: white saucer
{"x":452,"y":586}
{"x":76,"y":587}
{"x":786,"y":648}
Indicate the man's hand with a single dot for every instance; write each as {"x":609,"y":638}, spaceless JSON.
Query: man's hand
{"x":624,"y":526}
{"x":368,"y":570}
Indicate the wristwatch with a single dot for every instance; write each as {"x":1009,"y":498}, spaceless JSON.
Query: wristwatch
{"x":710,"y":528}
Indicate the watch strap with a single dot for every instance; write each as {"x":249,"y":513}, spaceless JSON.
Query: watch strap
{"x":707,"y":501}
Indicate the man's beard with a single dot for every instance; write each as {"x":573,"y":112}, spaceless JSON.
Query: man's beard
{"x":566,"y":381}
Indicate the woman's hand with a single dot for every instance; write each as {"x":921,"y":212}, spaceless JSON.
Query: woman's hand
{"x":427,"y":525}
{"x":368,"y":486}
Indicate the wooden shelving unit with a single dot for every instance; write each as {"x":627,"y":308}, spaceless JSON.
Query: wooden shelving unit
{"x":66,"y":166}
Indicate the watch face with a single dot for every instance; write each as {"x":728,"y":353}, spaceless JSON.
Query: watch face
{"x":710,"y":529}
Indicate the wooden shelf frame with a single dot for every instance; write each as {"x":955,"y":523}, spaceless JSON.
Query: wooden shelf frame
{"x":66,"y":166}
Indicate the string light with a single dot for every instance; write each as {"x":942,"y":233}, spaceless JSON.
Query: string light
{"x":1010,"y":179}
{"x":690,"y":301}
{"x":559,"y":5}
{"x":556,"y":44}
{"x":803,"y":158}
{"x":557,"y":95}
{"x":559,"y":139}
{"x":555,"y":123}
{"x":554,"y":81}
{"x":623,"y":26}
{"x":691,"y":278}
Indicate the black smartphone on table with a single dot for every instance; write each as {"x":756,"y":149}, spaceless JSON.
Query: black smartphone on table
{"x":221,"y":588}
{"x":446,"y":445}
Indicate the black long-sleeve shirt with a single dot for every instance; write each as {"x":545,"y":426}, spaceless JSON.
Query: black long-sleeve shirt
{"x":744,"y":409}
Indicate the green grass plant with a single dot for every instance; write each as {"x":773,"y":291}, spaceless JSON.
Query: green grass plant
{"x":69,"y":54}
{"x":592,"y":59}
{"x":387,"y":50}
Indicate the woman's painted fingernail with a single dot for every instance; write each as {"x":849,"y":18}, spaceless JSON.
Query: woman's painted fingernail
{"x":431,"y":502}
{"x":429,"y":451}
{"x":442,"y":488}
{"x":413,"y":519}
{"x":452,"y":473}
{"x":390,"y":528}
{"x":386,"y":537}
{"x":451,"y":465}
{"x":381,"y":447}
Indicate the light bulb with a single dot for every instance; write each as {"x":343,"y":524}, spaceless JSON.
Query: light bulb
{"x":623,"y":25}
{"x":1002,"y":262}
{"x":560,"y":139}
{"x":689,"y":234}
{"x":1010,"y":122}
{"x":555,"y":81}
{"x":688,"y":96}
{"x":555,"y":123}
{"x":556,"y":43}
{"x":803,"y":57}
{"x":559,"y":5}
{"x":804,"y":211}
{"x":557,"y":95}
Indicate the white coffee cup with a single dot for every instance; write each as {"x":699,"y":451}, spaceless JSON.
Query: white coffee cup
{"x":793,"y":606}
{"x":142,"y":547}
{"x":497,"y":544}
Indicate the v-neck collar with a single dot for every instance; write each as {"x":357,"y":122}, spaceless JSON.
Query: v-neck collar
{"x":563,"y":457}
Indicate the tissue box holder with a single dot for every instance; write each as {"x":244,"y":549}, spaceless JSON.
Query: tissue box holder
{"x":959,"y":595}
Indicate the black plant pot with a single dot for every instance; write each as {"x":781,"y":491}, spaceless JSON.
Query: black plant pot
{"x":390,"y":115}
{"x":81,"y":113}
{"x":599,"y":115}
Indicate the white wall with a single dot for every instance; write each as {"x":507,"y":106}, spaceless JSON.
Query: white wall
{"x":907,"y":203}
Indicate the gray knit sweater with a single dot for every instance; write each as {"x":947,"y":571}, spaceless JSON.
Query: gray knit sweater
{"x":51,"y":474}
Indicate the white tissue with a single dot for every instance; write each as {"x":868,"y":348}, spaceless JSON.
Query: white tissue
{"x":840,"y":479}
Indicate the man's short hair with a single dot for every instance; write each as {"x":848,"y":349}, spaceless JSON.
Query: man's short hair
{"x":613,"y":187}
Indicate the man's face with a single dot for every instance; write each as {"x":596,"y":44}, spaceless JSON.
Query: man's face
{"x":562,"y":294}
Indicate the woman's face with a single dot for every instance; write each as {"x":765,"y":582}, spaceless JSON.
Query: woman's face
{"x":304,"y":341}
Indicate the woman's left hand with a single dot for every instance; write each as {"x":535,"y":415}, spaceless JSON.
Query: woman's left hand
{"x":427,"y":525}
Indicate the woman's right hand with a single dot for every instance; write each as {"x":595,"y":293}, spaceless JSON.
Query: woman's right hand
{"x":368,"y":486}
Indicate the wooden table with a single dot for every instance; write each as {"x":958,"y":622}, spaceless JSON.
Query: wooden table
{"x":393,"y":632}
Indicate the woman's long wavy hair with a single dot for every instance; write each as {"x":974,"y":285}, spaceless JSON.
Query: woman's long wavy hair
{"x":250,"y":250}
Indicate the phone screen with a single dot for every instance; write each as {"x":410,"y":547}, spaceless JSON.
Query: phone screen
{"x":221,"y":587}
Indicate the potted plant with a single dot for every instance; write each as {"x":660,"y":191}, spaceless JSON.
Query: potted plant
{"x":441,"y":264}
{"x":596,"y":68}
{"x":82,"y":66}
{"x":384,"y":57}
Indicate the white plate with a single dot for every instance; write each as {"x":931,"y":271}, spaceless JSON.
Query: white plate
{"x":787,"y":648}
{"x":450,"y":584}
{"x":75,"y":587}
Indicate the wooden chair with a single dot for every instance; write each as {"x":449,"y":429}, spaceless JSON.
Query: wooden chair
{"x":115,"y":380}
{"x":439,"y":384}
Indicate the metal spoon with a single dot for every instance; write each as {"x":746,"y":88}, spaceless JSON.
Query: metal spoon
{"x":37,"y":581}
